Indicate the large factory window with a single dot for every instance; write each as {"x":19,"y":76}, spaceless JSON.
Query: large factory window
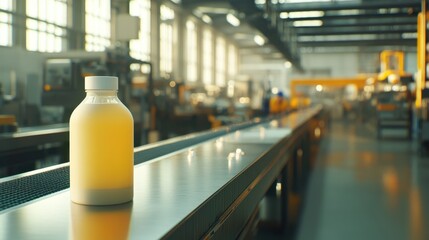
{"x":232,"y":61}
{"x":166,"y":41}
{"x":140,"y":48}
{"x":46,"y":25}
{"x":220,"y":62}
{"x":191,"y":52}
{"x":97,"y":25}
{"x":6,"y":22}
{"x":207,"y":57}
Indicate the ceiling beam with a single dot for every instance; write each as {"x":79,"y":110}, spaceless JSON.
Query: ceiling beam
{"x":255,"y":18}
{"x":374,"y":42}
{"x":360,"y":16}
{"x":354,"y":31}
{"x":191,"y":4}
{"x":366,"y":23}
{"x":338,"y":5}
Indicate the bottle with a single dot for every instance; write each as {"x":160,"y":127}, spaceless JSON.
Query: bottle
{"x":101,"y":146}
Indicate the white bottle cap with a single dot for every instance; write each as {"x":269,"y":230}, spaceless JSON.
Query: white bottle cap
{"x":101,"y":83}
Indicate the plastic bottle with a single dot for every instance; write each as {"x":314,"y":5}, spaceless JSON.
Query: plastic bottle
{"x":101,"y":146}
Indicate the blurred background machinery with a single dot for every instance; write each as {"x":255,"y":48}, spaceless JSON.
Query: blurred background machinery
{"x":393,"y":94}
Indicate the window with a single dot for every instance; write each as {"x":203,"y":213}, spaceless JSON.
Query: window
{"x":220,"y":62}
{"x":140,"y":48}
{"x":46,"y":25}
{"x":191,"y":51}
{"x":232,"y":61}
{"x":6,"y":22}
{"x":207,"y":57}
{"x":166,"y":41}
{"x":97,"y":25}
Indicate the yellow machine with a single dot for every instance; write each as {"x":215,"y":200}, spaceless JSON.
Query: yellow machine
{"x":392,"y":94}
{"x":392,"y":66}
{"x":298,"y":100}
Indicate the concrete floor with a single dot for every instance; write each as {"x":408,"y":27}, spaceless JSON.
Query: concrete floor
{"x":364,"y":188}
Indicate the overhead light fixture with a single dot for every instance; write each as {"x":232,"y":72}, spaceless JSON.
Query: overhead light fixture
{"x":274,"y":90}
{"x":233,"y":20}
{"x":284,"y":15}
{"x":206,"y":19}
{"x":288,"y":64}
{"x":308,"y":23}
{"x":259,"y":40}
{"x":410,"y":35}
{"x":383,"y":10}
{"x":306,"y":14}
{"x":349,"y":12}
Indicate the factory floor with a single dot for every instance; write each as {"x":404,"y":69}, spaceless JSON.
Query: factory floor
{"x":364,"y":188}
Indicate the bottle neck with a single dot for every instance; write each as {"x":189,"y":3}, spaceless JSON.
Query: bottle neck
{"x":101,"y":97}
{"x":101,"y":93}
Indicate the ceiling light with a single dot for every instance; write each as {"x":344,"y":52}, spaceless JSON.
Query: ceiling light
{"x":288,"y":64}
{"x":349,"y":12}
{"x":306,"y":14}
{"x":233,"y":20}
{"x":308,"y":23}
{"x":274,"y":90}
{"x":284,"y":15}
{"x":409,"y":35}
{"x":214,"y":10}
{"x":259,"y":40}
{"x":206,"y":19}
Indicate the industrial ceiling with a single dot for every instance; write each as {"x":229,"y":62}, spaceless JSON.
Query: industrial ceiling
{"x":285,"y":26}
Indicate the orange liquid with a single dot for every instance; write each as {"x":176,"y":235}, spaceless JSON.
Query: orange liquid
{"x":101,"y":154}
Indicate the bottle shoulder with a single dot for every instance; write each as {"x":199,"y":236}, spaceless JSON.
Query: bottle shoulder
{"x":88,"y":110}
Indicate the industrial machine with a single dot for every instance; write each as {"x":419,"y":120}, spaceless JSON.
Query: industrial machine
{"x":63,"y":84}
{"x":394,"y":103}
{"x":8,"y":121}
{"x":330,"y":91}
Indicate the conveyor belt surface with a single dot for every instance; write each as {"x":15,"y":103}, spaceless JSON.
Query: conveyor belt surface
{"x":187,"y":194}
{"x":26,"y":187}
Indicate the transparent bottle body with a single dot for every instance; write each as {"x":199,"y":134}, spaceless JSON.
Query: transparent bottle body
{"x":101,"y":150}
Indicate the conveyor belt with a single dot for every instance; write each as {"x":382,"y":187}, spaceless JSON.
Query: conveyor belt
{"x":33,"y":136}
{"x":25,"y":189}
{"x":18,"y":190}
{"x":205,"y":191}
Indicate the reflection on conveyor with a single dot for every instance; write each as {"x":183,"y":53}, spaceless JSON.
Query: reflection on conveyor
{"x":100,"y":222}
